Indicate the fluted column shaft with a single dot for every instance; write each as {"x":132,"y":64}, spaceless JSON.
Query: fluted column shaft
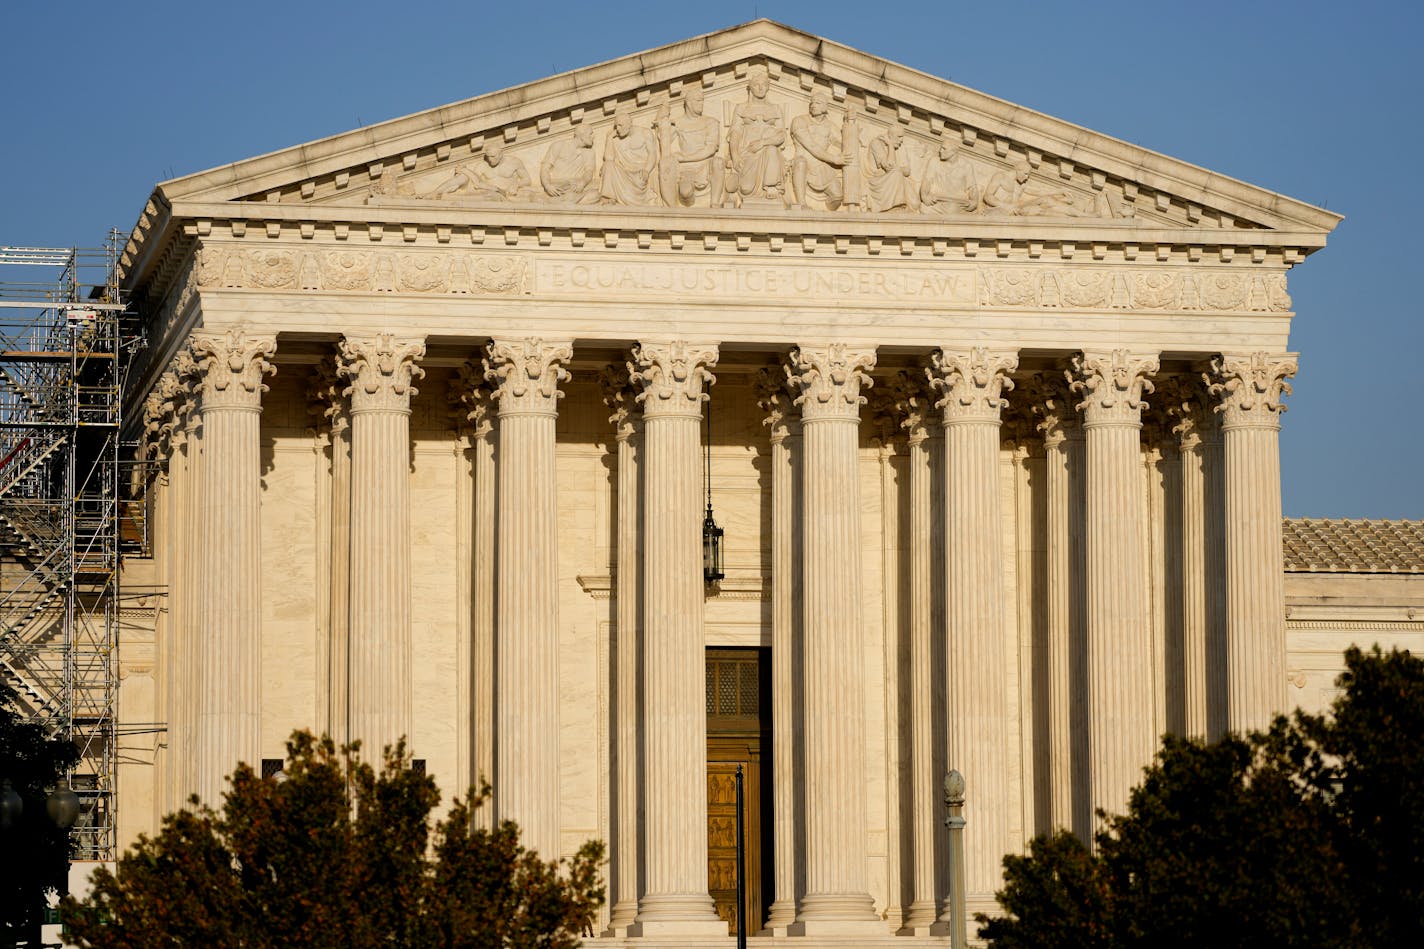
{"x":775,"y":401}
{"x":380,"y":370}
{"x":474,"y":410}
{"x":1063,"y":465}
{"x":1249,"y":389}
{"x":526,"y":375}
{"x":1214,"y":509}
{"x":675,"y":899}
{"x":1195,"y":606}
{"x":228,"y":606}
{"x":620,"y":395}
{"x":1119,"y":627}
{"x":328,"y":403}
{"x":828,"y":380}
{"x":977,"y":656}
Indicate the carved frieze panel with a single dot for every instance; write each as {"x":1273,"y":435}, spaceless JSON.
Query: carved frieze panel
{"x":456,"y":272}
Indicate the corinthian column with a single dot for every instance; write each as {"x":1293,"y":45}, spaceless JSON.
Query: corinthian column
{"x":1121,"y":738}
{"x":675,"y":900}
{"x":828,"y":380}
{"x":977,"y":656}
{"x":620,"y":395}
{"x":227,"y":621}
{"x":526,"y":374}
{"x":1249,"y":390}
{"x":1063,"y":607}
{"x":380,"y":369}
{"x":472,"y":403}
{"x":775,"y":401}
{"x":1183,"y":407}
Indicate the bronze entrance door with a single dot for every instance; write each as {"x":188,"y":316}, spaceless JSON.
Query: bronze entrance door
{"x":738,"y":732}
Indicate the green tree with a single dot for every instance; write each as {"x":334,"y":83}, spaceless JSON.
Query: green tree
{"x":337,"y":854}
{"x":1310,"y":833}
{"x":35,"y":851}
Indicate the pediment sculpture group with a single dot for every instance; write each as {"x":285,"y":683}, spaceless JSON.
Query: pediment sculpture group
{"x":816,"y":162}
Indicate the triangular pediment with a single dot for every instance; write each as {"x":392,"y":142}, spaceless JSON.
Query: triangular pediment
{"x":556,"y":145}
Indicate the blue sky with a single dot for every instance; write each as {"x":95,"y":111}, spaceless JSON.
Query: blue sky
{"x":1321,"y":101}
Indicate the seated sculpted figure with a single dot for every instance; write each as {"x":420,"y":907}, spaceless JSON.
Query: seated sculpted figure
{"x":816,"y":169}
{"x":503,"y":178}
{"x":630,"y":157}
{"x":567,"y":169}
{"x":887,"y":173}
{"x":755,"y":141}
{"x":1010,"y":193}
{"x":949,"y":186}
{"x":688,"y":143}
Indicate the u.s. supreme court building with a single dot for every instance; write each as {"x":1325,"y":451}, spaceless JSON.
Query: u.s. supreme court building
{"x":993,"y":441}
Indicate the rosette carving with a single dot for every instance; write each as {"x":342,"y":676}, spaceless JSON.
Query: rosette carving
{"x":1112,"y":385}
{"x":526,"y":373}
{"x":671,"y":376}
{"x":1249,"y":389}
{"x":230,"y":367}
{"x":827,"y":380}
{"x":973,"y":382}
{"x":380,"y":369}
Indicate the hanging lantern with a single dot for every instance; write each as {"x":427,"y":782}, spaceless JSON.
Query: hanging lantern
{"x":711,"y":548}
{"x":711,"y":533}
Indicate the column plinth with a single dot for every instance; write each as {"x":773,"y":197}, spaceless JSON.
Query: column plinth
{"x":828,"y":380}
{"x":379,"y":370}
{"x":1121,"y":737}
{"x":675,"y":900}
{"x":1249,"y":390}
{"x":526,"y":375}
{"x":227,"y":616}
{"x":976,"y":641}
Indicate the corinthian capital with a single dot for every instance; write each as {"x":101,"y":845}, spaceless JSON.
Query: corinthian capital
{"x":912,"y":399}
{"x":672,"y":375}
{"x":621,"y":397}
{"x":1249,"y":388}
{"x":326,"y":399}
{"x":828,"y":380}
{"x":1112,"y":386}
{"x":471,"y":401}
{"x":526,"y":374}
{"x":380,"y":369}
{"x":1050,"y":404}
{"x":774,"y":400}
{"x":230,"y":368}
{"x":1182,"y":401}
{"x":973,"y":382}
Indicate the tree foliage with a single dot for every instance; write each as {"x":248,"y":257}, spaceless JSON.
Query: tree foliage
{"x":1310,"y":833}
{"x":337,"y":855}
{"x":35,"y":850}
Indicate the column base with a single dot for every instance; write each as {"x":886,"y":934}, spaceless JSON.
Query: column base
{"x":663,"y":928}
{"x":920,"y":920}
{"x":621,"y":918}
{"x":863,"y":928}
{"x":781,"y":915}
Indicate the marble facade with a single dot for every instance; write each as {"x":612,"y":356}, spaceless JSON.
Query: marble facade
{"x":995,"y":403}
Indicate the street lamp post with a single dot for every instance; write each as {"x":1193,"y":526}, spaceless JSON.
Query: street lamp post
{"x":62,"y":808}
{"x":954,"y":800}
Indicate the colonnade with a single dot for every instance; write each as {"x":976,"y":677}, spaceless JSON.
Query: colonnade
{"x":1089,"y":413}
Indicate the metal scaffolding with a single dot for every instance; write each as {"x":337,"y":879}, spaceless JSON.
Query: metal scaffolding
{"x":63,"y":354}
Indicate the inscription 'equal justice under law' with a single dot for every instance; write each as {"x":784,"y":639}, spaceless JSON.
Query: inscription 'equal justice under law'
{"x":956,"y":286}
